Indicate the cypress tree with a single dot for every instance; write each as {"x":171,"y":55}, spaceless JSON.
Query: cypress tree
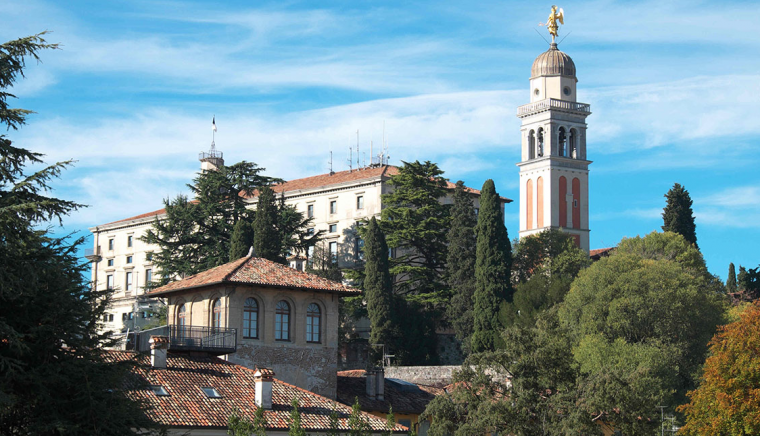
{"x":378,"y":287}
{"x":493,"y":264}
{"x":460,"y":264}
{"x":731,"y":282}
{"x":266,"y":238}
{"x":677,"y":216}
{"x":241,"y":239}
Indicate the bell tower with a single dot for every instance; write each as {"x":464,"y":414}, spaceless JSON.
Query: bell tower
{"x":554,"y":166}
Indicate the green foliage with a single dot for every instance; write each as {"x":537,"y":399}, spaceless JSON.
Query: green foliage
{"x":267,"y":242}
{"x":492,"y":271}
{"x":358,"y":424}
{"x":378,"y":288}
{"x":677,"y":216}
{"x":294,"y":427}
{"x":323,"y":264}
{"x":239,"y":426}
{"x":650,"y":308}
{"x":731,"y":285}
{"x":241,"y":239}
{"x":292,"y":228}
{"x":749,"y":282}
{"x":390,"y":421}
{"x":415,"y":341}
{"x":415,"y":223}
{"x":55,"y":376}
{"x":334,"y":429}
{"x":460,"y":265}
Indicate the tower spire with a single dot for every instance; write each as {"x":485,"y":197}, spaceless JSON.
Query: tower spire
{"x":213,"y":160}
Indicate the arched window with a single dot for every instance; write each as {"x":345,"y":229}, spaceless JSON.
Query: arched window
{"x":529,"y":204}
{"x":562,"y":201}
{"x":562,"y":142}
{"x":540,"y":202}
{"x":216,"y":314}
{"x":540,"y":138}
{"x":313,"y":321}
{"x":574,"y":144}
{"x":576,"y":203}
{"x":182,"y":315}
{"x":282,"y":321}
{"x":532,"y":145}
{"x":251,"y":319}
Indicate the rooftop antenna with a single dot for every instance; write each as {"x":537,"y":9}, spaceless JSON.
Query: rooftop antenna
{"x":350,"y":158}
{"x":358,"y":165}
{"x":371,"y":156}
{"x":213,"y":132}
{"x":331,"y":164}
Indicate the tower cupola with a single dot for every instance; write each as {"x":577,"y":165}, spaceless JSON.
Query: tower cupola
{"x":553,"y":62}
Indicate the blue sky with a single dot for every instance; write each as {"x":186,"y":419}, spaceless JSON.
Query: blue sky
{"x":673,"y":87}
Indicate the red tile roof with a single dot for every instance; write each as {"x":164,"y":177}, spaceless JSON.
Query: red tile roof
{"x":352,"y":385}
{"x":257,"y":271}
{"x":187,"y":405}
{"x":598,"y":253}
{"x":321,"y":180}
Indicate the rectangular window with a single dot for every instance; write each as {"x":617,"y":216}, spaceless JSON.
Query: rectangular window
{"x":123,"y":316}
{"x":110,"y":262}
{"x":110,"y":317}
{"x":310,"y":211}
{"x":110,"y":244}
{"x":334,"y":251}
{"x":360,"y":202}
{"x":148,"y":276}
{"x":109,"y":281}
{"x":477,"y":211}
{"x":129,"y":259}
{"x":159,"y":391}
{"x":130,"y":239}
{"x":359,"y":249}
{"x":128,"y":282}
{"x":333,"y":228}
{"x":333,"y":207}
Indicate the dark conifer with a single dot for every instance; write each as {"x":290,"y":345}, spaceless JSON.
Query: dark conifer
{"x":731,"y":281}
{"x":460,"y":264}
{"x":266,"y":237}
{"x":241,"y":239}
{"x":492,"y":271}
{"x":677,"y":216}
{"x":378,"y":287}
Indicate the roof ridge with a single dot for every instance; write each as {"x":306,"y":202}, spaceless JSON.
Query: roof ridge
{"x":234,"y":270}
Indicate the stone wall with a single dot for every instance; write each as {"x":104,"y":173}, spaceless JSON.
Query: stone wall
{"x":439,"y":376}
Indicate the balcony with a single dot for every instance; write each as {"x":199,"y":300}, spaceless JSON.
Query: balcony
{"x":93,"y":254}
{"x":552,"y":103}
{"x":212,"y":340}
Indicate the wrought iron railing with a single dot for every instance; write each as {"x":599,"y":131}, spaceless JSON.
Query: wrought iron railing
{"x":553,"y":103}
{"x":214,"y":340}
{"x":212,"y":154}
{"x":92,"y":254}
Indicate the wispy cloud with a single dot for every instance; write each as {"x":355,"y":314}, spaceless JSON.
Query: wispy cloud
{"x":732,"y":207}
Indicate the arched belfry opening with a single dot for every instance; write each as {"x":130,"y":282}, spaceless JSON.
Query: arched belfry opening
{"x":532,"y":144}
{"x":562,"y":136}
{"x":574,"y":144}
{"x":540,"y":138}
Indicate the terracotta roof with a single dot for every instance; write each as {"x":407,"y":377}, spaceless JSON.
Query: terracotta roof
{"x":406,"y":398}
{"x":599,"y":253}
{"x":257,"y":271}
{"x":188,"y":406}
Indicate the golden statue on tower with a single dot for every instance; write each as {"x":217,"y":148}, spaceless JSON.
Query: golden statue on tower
{"x":551,"y":24}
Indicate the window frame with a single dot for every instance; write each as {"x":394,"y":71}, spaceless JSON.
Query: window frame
{"x":333,"y":207}
{"x":333,"y":254}
{"x":359,"y":202}
{"x":333,"y":228}
{"x":181,"y":315}
{"x":128,"y":281}
{"x":110,"y":244}
{"x":247,"y":325}
{"x":310,"y":211}
{"x":130,"y":241}
{"x":216,"y":313}
{"x":311,"y":317}
{"x":282,"y":328}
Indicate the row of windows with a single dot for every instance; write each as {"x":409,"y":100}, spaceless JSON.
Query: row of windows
{"x":130,"y":258}
{"x":130,"y":278}
{"x":282,"y":320}
{"x":334,"y":206}
{"x":568,"y":143}
{"x":130,"y":242}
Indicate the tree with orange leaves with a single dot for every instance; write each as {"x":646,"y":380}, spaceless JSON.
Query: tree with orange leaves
{"x":727,"y":400}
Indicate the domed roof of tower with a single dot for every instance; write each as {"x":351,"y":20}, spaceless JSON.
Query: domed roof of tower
{"x":553,"y":63}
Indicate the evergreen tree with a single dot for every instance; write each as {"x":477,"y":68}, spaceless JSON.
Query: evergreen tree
{"x":492,"y":271}
{"x":731,"y":281}
{"x":357,"y":423}
{"x":378,"y":287}
{"x":460,"y":264}
{"x":241,"y":240}
{"x":415,"y":223}
{"x":292,"y":228}
{"x":678,"y":216}
{"x":267,"y":242}
{"x":295,"y":428}
{"x":55,"y":376}
{"x":741,"y":279}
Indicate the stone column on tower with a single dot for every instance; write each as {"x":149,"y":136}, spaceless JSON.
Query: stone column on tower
{"x":553,"y":166}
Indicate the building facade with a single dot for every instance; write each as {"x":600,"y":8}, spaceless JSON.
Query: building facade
{"x":554,"y":166}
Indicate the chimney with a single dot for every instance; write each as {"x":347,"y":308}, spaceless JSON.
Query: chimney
{"x":371,"y":381}
{"x":380,"y":383}
{"x":159,"y":346}
{"x":263,"y":378}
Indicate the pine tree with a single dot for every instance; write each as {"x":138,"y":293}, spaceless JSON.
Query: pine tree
{"x":267,"y":242}
{"x":55,"y":375}
{"x":415,"y":223}
{"x":678,"y":216}
{"x":241,"y":240}
{"x":378,"y":287}
{"x":295,"y":428}
{"x":460,"y":264}
{"x":731,"y":281}
{"x":492,"y":271}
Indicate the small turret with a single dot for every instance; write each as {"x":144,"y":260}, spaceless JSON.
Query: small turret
{"x":214,"y":159}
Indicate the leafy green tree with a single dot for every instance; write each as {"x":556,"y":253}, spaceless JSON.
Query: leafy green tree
{"x":390,"y":421}
{"x":323,"y":264}
{"x":55,"y":376}
{"x":731,"y":286}
{"x":415,"y":341}
{"x":415,"y":223}
{"x":239,"y":426}
{"x":378,"y":287}
{"x":334,"y":426}
{"x":292,"y":227}
{"x":492,"y":271}
{"x":241,"y":240}
{"x":726,"y":401}
{"x":294,"y":427}
{"x":267,"y":242}
{"x":677,"y":216}
{"x":750,"y":283}
{"x":357,"y":423}
{"x":653,"y":312}
{"x":460,"y":264}
{"x":741,"y":279}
